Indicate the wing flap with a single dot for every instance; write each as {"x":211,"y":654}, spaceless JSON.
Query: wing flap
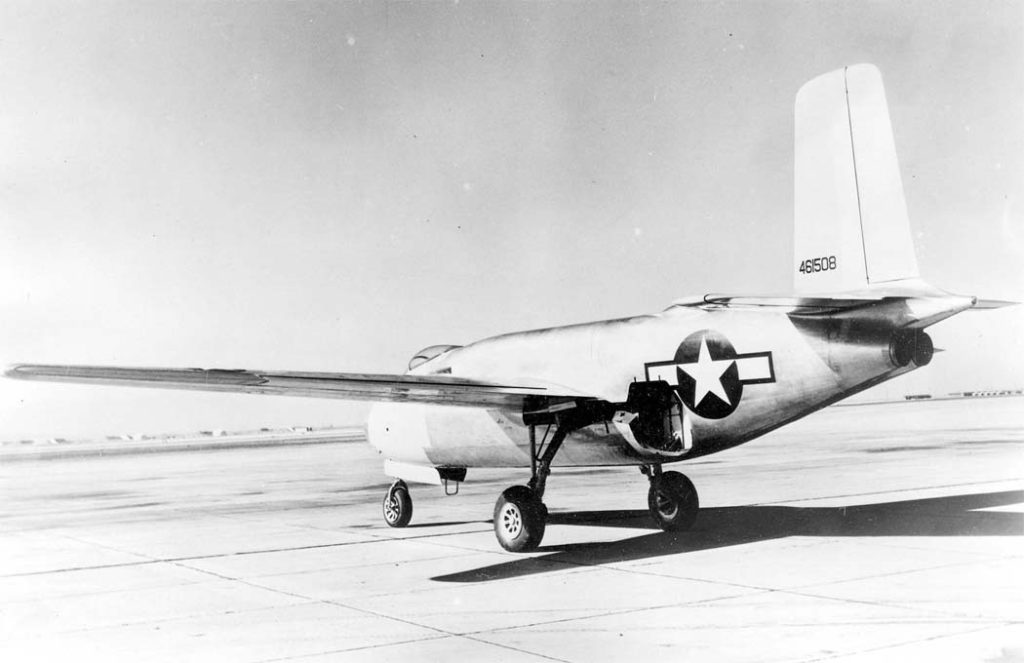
{"x":439,"y":389}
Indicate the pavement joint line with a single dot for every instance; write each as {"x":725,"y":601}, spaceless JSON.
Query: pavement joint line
{"x":451,"y":546}
{"x":892,"y":574}
{"x":540,"y":556}
{"x":914,"y":641}
{"x":82,"y":594}
{"x":415,"y":537}
{"x":439,"y":587}
{"x":148,"y":560}
{"x":164,"y":620}
{"x":65,"y":535}
{"x":545,"y":657}
{"x":313,"y":599}
{"x":330,"y":602}
{"x":886,"y":492}
{"x":774,"y":624}
{"x":298,"y":657}
{"x":368,"y":533}
{"x":946,"y":620}
{"x":609,"y":613}
{"x":884,"y":604}
{"x":584,"y":566}
{"x":571,"y":569}
{"x":982,"y":556}
{"x":173,"y":560}
{"x":414,"y":641}
{"x":374,"y":538}
{"x":737,"y":585}
{"x":614,"y":566}
{"x":347,"y":568}
{"x":793,"y":591}
{"x":443,"y":632}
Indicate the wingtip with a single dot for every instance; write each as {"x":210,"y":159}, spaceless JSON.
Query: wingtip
{"x":14,"y":371}
{"x":28,"y":371}
{"x":988,"y":304}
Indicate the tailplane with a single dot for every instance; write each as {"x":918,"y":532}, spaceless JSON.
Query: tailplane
{"x":851,"y":227}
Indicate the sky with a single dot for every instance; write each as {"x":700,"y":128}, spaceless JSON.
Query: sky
{"x":333,"y":186}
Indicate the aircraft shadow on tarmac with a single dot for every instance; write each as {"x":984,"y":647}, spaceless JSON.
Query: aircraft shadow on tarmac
{"x":955,"y":515}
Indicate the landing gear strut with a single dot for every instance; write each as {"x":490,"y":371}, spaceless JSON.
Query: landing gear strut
{"x":397,"y":505}
{"x":672,"y":499}
{"x":520,"y":515}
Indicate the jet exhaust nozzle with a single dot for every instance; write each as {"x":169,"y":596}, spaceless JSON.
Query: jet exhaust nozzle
{"x":911,"y":346}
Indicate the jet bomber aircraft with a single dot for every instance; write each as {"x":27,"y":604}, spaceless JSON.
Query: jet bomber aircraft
{"x":704,"y":375}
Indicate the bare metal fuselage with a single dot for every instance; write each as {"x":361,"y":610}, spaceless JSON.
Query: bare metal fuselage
{"x":815,"y":360}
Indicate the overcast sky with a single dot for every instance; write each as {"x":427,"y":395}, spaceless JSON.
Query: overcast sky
{"x":334,"y":186}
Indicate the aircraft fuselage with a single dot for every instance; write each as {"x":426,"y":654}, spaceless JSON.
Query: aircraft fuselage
{"x":738,"y":374}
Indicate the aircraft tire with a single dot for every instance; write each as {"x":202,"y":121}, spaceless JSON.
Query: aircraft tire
{"x":519,"y":519}
{"x":673,"y":502}
{"x":397,"y":505}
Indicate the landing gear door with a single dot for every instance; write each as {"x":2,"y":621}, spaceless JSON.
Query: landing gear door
{"x":656,"y":420}
{"x":681,"y":425}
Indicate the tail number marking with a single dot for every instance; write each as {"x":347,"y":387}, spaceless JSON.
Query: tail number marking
{"x":822,"y":264}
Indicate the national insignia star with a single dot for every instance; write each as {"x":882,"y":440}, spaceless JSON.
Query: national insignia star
{"x":707,"y":373}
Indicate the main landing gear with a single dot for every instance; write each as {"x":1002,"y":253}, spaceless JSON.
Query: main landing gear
{"x":672,"y":499}
{"x":520,"y":516}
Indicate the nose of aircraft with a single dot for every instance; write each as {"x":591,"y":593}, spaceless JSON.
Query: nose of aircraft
{"x":399,"y":431}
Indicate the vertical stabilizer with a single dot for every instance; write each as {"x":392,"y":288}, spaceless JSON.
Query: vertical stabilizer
{"x":851,"y":225}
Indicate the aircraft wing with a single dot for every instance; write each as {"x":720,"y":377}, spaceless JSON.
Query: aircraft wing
{"x":438,"y":389}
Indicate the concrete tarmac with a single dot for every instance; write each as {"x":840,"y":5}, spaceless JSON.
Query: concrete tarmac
{"x":865,"y":533}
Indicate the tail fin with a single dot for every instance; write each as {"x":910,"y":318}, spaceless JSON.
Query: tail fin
{"x":851,"y":225}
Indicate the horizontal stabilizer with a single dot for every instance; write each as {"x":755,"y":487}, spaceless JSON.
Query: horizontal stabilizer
{"x":800,"y":304}
{"x":910,"y":306}
{"x":439,"y":389}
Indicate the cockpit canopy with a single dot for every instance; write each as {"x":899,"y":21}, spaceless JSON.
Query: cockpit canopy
{"x":426,"y":354}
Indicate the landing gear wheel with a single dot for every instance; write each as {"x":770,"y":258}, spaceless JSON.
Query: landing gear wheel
{"x":673,"y":501}
{"x":397,"y":505}
{"x":519,"y":519}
